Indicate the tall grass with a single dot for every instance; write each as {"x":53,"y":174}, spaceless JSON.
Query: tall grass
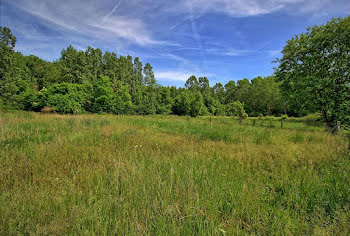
{"x":157,"y":175}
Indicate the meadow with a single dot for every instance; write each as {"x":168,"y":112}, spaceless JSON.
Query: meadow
{"x":170,"y":175}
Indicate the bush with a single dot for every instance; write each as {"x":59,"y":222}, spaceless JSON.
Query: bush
{"x":31,"y":100}
{"x":284,"y":117}
{"x":64,"y":98}
{"x":239,"y":110}
{"x":313,"y":119}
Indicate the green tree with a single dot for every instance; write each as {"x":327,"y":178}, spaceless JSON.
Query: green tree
{"x":164,"y":101}
{"x":77,"y":66}
{"x":102,"y":95}
{"x":196,"y":105}
{"x":219,"y":92}
{"x":231,"y":91}
{"x":265,"y":96}
{"x":203,"y":84}
{"x":192,"y":83}
{"x":8,"y":86}
{"x":149,"y":78}
{"x":14,"y":75}
{"x":122,"y":103}
{"x":182,"y":103}
{"x":239,"y":111}
{"x":64,"y":97}
{"x":314,"y":70}
{"x":43,"y":73}
{"x":244,"y":94}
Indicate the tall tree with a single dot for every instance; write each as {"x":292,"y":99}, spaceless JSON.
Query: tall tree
{"x":231,"y":91}
{"x":192,"y":83}
{"x":314,"y":69}
{"x":219,"y":92}
{"x":203,"y":84}
{"x":13,"y":72}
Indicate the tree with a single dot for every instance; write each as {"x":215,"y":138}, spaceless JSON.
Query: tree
{"x":192,"y":83}
{"x":203,"y":84}
{"x":42,"y":73}
{"x":231,"y":91}
{"x":15,"y":78}
{"x":122,"y":102}
{"x":219,"y":92}
{"x":102,"y":95}
{"x":265,"y":96}
{"x":164,"y":101}
{"x":182,"y":103}
{"x":314,"y":70}
{"x":93,"y":60}
{"x":239,"y":111}
{"x":7,"y":56}
{"x":196,"y":104}
{"x":64,"y":97}
{"x":7,"y":39}
{"x":244,"y":94}
{"x":149,"y":78}
{"x":79,"y":66}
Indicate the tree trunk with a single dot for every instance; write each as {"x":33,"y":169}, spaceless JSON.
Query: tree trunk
{"x":326,"y":120}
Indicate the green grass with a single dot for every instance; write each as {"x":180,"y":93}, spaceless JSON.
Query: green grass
{"x":158,"y":175}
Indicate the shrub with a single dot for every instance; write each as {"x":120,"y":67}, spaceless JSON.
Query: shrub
{"x":31,"y":100}
{"x":64,"y":98}
{"x":239,"y":111}
{"x":313,"y":119}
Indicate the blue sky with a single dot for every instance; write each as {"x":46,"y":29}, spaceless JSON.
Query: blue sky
{"x":221,"y":39}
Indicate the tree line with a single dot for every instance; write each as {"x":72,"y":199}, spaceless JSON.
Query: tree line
{"x":312,"y":76}
{"x":97,"y":82}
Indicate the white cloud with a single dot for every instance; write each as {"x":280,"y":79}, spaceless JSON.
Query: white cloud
{"x":172,"y":76}
{"x":89,"y":19}
{"x":227,"y":51}
{"x":242,"y":8}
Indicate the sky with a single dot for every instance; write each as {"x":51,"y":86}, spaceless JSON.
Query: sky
{"x":220,"y":39}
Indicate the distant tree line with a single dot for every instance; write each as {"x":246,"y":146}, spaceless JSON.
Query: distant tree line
{"x":97,"y":82}
{"x":312,"y":76}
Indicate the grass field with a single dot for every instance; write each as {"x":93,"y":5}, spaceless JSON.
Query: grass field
{"x":159,"y":175}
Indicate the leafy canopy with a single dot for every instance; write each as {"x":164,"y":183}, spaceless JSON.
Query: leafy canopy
{"x":315,"y":70}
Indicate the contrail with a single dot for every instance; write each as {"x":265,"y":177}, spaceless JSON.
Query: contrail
{"x":196,"y":35}
{"x":110,"y":13}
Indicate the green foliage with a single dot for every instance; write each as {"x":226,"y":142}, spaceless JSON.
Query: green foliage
{"x":64,"y":98}
{"x":313,"y":119}
{"x":122,"y":103}
{"x":189,"y":103}
{"x":31,"y":100}
{"x":313,"y":70}
{"x":196,"y":104}
{"x":182,"y":103}
{"x":106,"y":83}
{"x":121,"y":85}
{"x":102,"y":95}
{"x":13,"y":74}
{"x":164,"y":101}
{"x":192,"y":83}
{"x":239,"y":110}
